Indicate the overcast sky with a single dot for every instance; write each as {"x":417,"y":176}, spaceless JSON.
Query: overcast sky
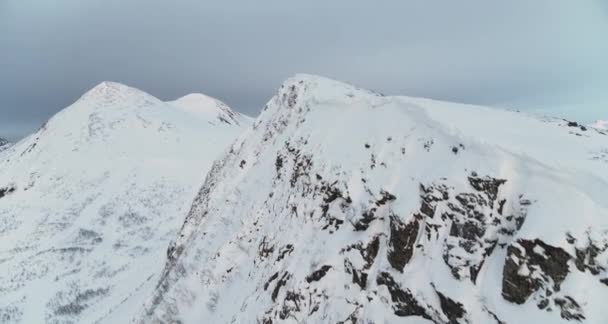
{"x":543,"y":54}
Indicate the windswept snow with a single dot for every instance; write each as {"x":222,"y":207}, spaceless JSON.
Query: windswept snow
{"x":341,"y":205}
{"x":89,"y":203}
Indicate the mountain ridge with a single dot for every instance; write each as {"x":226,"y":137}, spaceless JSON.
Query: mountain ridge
{"x":402,"y":209}
{"x":337,"y":204}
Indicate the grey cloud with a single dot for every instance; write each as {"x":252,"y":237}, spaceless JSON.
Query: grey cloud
{"x":496,"y":53}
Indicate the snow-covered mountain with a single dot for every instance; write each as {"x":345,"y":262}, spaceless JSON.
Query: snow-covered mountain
{"x":341,"y":205}
{"x":89,"y":203}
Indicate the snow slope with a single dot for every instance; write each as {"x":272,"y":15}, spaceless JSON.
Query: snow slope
{"x":340,"y":205}
{"x":89,"y":203}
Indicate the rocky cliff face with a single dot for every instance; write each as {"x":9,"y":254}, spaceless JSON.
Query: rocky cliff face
{"x":341,"y":205}
{"x":4,"y":144}
{"x":89,"y":203}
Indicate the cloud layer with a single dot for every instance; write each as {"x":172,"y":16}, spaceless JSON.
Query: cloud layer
{"x":524,"y":53}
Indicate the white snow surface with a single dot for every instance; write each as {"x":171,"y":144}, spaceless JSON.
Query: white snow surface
{"x":600,"y":124}
{"x":341,"y":205}
{"x":89,"y":203}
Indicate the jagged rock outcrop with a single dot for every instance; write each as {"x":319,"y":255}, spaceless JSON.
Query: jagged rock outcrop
{"x":4,"y":144}
{"x":341,"y":205}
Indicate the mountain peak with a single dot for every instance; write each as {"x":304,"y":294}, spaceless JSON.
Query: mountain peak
{"x":198,"y":102}
{"x":109,"y":93}
{"x":319,"y":89}
{"x":203,"y":105}
{"x":110,"y":88}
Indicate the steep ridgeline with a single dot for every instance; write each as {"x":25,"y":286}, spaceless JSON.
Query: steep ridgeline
{"x":340,"y":205}
{"x":89,"y":203}
{"x":4,"y":144}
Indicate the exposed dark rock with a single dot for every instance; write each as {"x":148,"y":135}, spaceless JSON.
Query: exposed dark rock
{"x":517,"y":286}
{"x":494,"y":316}
{"x":265,"y":249}
{"x":386,"y":197}
{"x":282,"y":282}
{"x":570,"y":309}
{"x":318,"y":274}
{"x":369,"y":254}
{"x":278,"y":163}
{"x":287,"y":249}
{"x":80,"y":302}
{"x":577,"y":125}
{"x":487,"y":185}
{"x":271,"y":279}
{"x":586,"y":258}
{"x":371,"y":251}
{"x":476,"y":225}
{"x":404,"y":303}
{"x":333,"y":222}
{"x":6,"y":191}
{"x":358,"y":277}
{"x":501,"y":206}
{"x":401,"y":243}
{"x":366,"y":219}
{"x":290,"y":98}
{"x":291,"y":304}
{"x":452,"y":309}
{"x":369,"y":216}
{"x":429,"y":197}
{"x":428,"y":144}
